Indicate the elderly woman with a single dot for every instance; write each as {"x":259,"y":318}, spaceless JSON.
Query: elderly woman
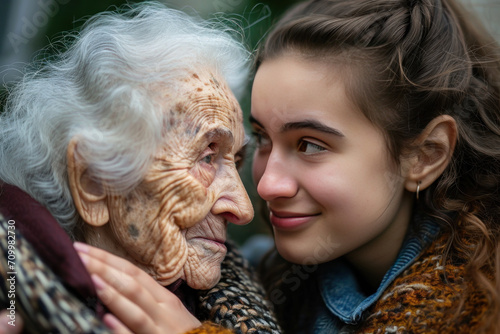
{"x":130,"y":141}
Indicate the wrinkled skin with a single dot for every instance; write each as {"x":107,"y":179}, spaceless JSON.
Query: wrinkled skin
{"x":173,"y":225}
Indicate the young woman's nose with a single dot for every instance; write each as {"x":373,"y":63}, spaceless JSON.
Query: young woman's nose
{"x":233,"y":203}
{"x":277,"y":179}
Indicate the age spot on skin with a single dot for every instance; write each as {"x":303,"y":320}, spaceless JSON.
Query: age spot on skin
{"x":180,"y":108}
{"x":215,"y":82}
{"x":169,"y":122}
{"x":190,"y":131}
{"x":133,"y":231}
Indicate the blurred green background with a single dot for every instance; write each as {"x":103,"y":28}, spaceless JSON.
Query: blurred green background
{"x":27,"y":26}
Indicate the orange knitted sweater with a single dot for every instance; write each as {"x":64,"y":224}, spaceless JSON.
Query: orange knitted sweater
{"x":426,"y":297}
{"x":210,"y":328}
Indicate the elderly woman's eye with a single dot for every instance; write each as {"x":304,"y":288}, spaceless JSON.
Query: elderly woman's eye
{"x":208,"y":159}
{"x":209,"y":154}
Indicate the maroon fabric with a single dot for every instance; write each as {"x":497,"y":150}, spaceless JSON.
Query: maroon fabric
{"x":50,"y":241}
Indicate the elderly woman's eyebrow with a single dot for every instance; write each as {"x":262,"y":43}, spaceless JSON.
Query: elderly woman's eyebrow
{"x":220,"y":134}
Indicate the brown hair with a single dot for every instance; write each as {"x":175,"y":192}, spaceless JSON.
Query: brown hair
{"x":411,"y":61}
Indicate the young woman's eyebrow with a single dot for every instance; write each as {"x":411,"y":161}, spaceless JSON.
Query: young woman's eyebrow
{"x":313,"y":125}
{"x":306,"y":124}
{"x":253,"y":121}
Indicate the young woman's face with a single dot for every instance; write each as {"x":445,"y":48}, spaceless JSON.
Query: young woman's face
{"x":323,"y":168}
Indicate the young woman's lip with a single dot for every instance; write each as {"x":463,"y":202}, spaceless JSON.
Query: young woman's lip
{"x":290,"y":220}
{"x":288,"y":214}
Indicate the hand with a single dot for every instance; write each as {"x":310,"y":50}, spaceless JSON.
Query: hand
{"x":6,"y":324}
{"x":138,"y":303}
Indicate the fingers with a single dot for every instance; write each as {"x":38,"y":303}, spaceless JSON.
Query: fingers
{"x":123,"y":294}
{"x":132,"y":315}
{"x":137,"y":300}
{"x":111,"y":260}
{"x":122,"y":266}
{"x":7,"y":325}
{"x":115,"y":325}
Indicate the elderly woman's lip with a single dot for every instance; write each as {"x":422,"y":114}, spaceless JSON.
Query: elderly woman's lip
{"x":219,"y":241}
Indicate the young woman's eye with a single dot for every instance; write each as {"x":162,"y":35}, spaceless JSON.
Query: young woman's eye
{"x":310,"y":148}
{"x":260,"y":139}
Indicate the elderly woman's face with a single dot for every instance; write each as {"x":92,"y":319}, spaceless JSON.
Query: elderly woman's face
{"x":173,"y":225}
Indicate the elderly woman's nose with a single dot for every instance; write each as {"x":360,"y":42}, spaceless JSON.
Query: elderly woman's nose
{"x":233,"y":202}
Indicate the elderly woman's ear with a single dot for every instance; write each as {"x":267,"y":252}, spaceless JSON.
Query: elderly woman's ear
{"x":88,"y":194}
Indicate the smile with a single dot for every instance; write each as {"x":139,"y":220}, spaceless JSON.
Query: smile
{"x":219,"y":242}
{"x":289,"y":220}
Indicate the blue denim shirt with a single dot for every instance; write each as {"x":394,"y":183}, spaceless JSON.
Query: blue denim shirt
{"x":343,"y":297}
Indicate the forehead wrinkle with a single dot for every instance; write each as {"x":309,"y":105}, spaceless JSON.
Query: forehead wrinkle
{"x":212,"y":107}
{"x":220,"y":133}
{"x":210,"y":95}
{"x":216,"y":94}
{"x":205,"y":90}
{"x":199,"y":111}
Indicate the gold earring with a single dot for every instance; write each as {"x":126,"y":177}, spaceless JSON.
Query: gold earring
{"x":418,"y":188}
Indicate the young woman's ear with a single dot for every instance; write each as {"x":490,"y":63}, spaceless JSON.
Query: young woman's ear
{"x":432,"y":154}
{"x":88,"y":195}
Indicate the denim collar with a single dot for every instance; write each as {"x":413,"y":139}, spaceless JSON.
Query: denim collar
{"x":340,"y":290}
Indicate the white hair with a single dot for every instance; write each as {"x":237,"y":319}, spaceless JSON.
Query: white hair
{"x":101,"y":90}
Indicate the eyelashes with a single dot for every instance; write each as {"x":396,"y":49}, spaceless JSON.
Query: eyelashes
{"x":210,"y":153}
{"x":205,"y":168}
{"x":261,"y":140}
{"x":303,"y":145}
{"x":308,"y":147}
{"x":208,"y":159}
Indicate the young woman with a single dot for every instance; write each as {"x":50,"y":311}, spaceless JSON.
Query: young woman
{"x":378,"y":144}
{"x":378,"y":147}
